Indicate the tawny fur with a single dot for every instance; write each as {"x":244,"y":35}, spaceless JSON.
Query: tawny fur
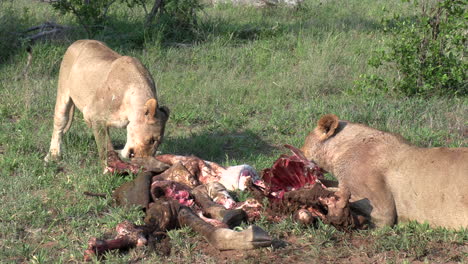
{"x":111,"y":91}
{"x":389,"y":179}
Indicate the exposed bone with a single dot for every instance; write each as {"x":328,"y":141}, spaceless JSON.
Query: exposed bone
{"x":291,"y":186}
{"x":307,"y":204}
{"x":128,"y":235}
{"x":218,"y":193}
{"x":339,"y":213}
{"x":304,"y":217}
{"x":213,"y":222}
{"x":252,"y":207}
{"x":233,"y":177}
{"x":300,"y":155}
{"x":237,"y":177}
{"x":216,"y":211}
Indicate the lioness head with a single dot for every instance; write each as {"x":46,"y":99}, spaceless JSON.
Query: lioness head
{"x":325,"y":129}
{"x":146,"y":133}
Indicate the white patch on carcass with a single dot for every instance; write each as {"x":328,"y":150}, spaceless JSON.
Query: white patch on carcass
{"x":236,"y":177}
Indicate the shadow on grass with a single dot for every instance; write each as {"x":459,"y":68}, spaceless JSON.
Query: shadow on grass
{"x":239,"y":25}
{"x":10,"y":43}
{"x":219,"y":146}
{"x":256,"y":24}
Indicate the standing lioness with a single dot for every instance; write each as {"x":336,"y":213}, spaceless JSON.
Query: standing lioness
{"x":112,"y":91}
{"x":390,"y":179}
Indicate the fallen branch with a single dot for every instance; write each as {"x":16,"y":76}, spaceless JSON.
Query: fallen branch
{"x":46,"y":29}
{"x":44,"y":34}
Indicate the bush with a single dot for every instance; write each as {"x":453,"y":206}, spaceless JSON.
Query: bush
{"x":89,"y":14}
{"x":165,"y":17}
{"x":12,"y":21}
{"x":428,"y":52}
{"x":173,"y":20}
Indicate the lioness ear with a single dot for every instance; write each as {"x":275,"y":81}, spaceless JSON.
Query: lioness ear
{"x":150,"y":107}
{"x":326,"y":126}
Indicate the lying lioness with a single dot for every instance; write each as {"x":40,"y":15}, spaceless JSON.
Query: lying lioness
{"x":112,"y":91}
{"x":389,"y":179}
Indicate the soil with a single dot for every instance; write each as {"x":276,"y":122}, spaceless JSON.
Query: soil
{"x":350,"y":249}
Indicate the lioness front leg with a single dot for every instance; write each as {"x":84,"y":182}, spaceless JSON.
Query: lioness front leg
{"x":371,"y":196}
{"x":62,"y":120}
{"x":382,"y":207}
{"x":103,"y":142}
{"x":384,"y":211}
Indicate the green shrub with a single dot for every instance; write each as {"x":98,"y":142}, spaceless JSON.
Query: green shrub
{"x":427,"y":52}
{"x":166,"y":18}
{"x":89,"y":14}
{"x":177,"y":20}
{"x":12,"y":21}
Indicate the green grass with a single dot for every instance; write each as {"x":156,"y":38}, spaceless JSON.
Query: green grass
{"x":252,"y":80}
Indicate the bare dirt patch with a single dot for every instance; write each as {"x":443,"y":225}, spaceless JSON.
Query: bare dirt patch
{"x":347,"y":248}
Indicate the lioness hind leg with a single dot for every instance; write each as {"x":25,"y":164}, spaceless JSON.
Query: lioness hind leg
{"x":61,"y":122}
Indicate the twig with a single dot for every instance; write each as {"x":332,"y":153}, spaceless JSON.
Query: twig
{"x":102,"y":195}
{"x":104,"y":14}
{"x":28,"y":64}
{"x":156,"y":7}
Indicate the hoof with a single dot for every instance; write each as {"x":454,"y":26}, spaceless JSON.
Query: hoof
{"x":250,"y":238}
{"x":259,"y":238}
